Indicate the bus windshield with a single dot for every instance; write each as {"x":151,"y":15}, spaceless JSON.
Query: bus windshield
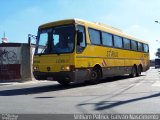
{"x":56,"y":40}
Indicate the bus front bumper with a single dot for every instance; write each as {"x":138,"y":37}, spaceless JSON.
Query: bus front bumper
{"x":72,"y":76}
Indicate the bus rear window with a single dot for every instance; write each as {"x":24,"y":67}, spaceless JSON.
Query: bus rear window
{"x":145,"y":48}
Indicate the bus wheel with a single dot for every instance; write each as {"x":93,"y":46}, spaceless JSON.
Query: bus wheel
{"x":95,"y":76}
{"x":63,"y":82}
{"x":139,"y":70}
{"x":133,"y":72}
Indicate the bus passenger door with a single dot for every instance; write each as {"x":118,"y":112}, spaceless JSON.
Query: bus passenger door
{"x":81,"y":61}
{"x":81,"y":42}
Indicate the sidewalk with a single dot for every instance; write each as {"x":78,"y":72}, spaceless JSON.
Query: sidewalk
{"x":9,"y":82}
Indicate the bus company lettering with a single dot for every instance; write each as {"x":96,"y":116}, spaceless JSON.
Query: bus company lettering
{"x":62,"y":60}
{"x":112,"y":54}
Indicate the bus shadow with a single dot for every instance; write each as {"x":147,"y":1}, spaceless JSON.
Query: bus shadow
{"x":52,"y":88}
{"x":36,"y":90}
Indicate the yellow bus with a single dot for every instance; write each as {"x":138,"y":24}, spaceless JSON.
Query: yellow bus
{"x":75,"y":50}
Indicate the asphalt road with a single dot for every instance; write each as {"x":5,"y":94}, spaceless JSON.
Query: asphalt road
{"x":112,"y":95}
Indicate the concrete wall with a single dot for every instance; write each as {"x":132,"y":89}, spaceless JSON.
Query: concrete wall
{"x":15,"y":62}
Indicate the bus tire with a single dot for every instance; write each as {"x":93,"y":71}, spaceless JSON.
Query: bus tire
{"x":63,"y":82}
{"x":95,"y":76}
{"x":139,"y":70}
{"x":133,"y":72}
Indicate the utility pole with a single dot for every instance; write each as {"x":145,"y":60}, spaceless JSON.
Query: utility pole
{"x":158,"y":50}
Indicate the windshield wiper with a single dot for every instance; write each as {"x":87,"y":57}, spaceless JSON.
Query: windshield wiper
{"x":43,"y":50}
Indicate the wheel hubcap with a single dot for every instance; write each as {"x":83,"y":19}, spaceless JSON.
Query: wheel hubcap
{"x":93,"y":75}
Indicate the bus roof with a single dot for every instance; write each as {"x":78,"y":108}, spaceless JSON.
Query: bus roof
{"x":96,"y":25}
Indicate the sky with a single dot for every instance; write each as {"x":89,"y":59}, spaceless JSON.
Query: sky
{"x":18,"y":18}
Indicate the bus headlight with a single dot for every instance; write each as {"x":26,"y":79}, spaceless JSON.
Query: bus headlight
{"x":68,"y":68}
{"x":65,"y":68}
{"x":35,"y":68}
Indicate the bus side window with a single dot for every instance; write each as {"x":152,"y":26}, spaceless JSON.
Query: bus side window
{"x":81,"y":39}
{"x":145,"y":48}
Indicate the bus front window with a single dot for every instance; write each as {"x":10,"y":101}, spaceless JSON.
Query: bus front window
{"x":57,"y":40}
{"x":43,"y":43}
